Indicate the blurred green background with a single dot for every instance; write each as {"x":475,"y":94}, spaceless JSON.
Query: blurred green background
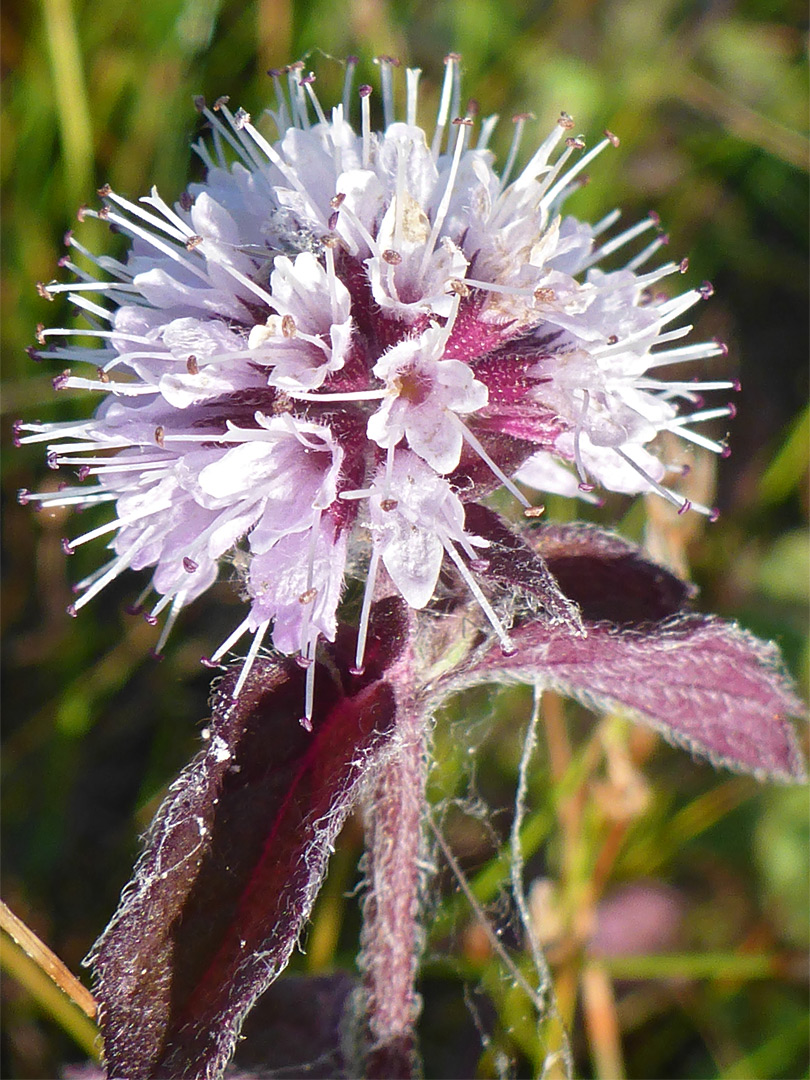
{"x":710,"y":102}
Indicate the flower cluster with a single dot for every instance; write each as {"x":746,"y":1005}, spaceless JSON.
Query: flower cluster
{"x":316,"y":357}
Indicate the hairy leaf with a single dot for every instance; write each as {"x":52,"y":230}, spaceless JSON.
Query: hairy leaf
{"x":512,"y":562}
{"x":703,"y":683}
{"x":234,"y":860}
{"x":609,"y":577}
{"x":295,"y":1029}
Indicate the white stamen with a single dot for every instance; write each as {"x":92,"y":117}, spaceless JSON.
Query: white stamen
{"x":180,"y":256}
{"x":695,"y":437}
{"x":281,"y":116}
{"x":687,"y":389}
{"x":230,"y":135}
{"x":348,"y":80}
{"x":289,"y":173}
{"x":93,"y":309}
{"x":444,"y":108}
{"x":670,"y":496}
{"x":297,"y":99}
{"x":583,"y":475}
{"x":309,"y":688}
{"x":619,"y":241}
{"x":646,"y":253}
{"x":517,"y":135}
{"x":313,"y":97}
{"x":412,"y":85}
{"x":117,"y":465}
{"x":506,"y":642}
{"x":485,"y":134}
{"x":232,"y":639}
{"x":118,"y":389}
{"x":574,"y":171}
{"x":554,"y":171}
{"x":113,"y":569}
{"x":538,"y":160}
{"x":172,"y":225}
{"x":699,"y":351}
{"x":89,"y":286}
{"x":444,"y":205}
{"x":387,"y":81}
{"x":479,"y":449}
{"x":368,"y":239}
{"x":368,"y":593}
{"x":349,"y":395}
{"x":365,"y":114}
{"x":605,"y":223}
{"x":177,"y":606}
{"x":331,"y":278}
{"x":253,"y":651}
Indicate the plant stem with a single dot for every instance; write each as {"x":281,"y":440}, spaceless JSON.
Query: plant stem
{"x":392,"y":936}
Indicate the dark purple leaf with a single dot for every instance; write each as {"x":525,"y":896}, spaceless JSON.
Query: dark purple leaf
{"x":609,"y":577}
{"x":295,"y":1029}
{"x":512,"y":562}
{"x":234,"y":860}
{"x":703,"y":683}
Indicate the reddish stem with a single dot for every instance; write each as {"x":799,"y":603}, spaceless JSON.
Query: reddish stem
{"x":392,"y":936}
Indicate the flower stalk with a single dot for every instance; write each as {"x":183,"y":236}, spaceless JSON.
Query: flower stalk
{"x":392,"y":936}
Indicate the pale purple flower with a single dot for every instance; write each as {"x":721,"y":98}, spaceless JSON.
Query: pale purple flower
{"x":325,"y":349}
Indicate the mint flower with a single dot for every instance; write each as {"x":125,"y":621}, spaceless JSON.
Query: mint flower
{"x":314,"y":367}
{"x":319,"y":355}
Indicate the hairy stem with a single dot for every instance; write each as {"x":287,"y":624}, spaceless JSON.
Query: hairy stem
{"x":392,"y":936}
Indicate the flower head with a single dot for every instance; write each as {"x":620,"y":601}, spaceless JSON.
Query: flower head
{"x":339,"y":338}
